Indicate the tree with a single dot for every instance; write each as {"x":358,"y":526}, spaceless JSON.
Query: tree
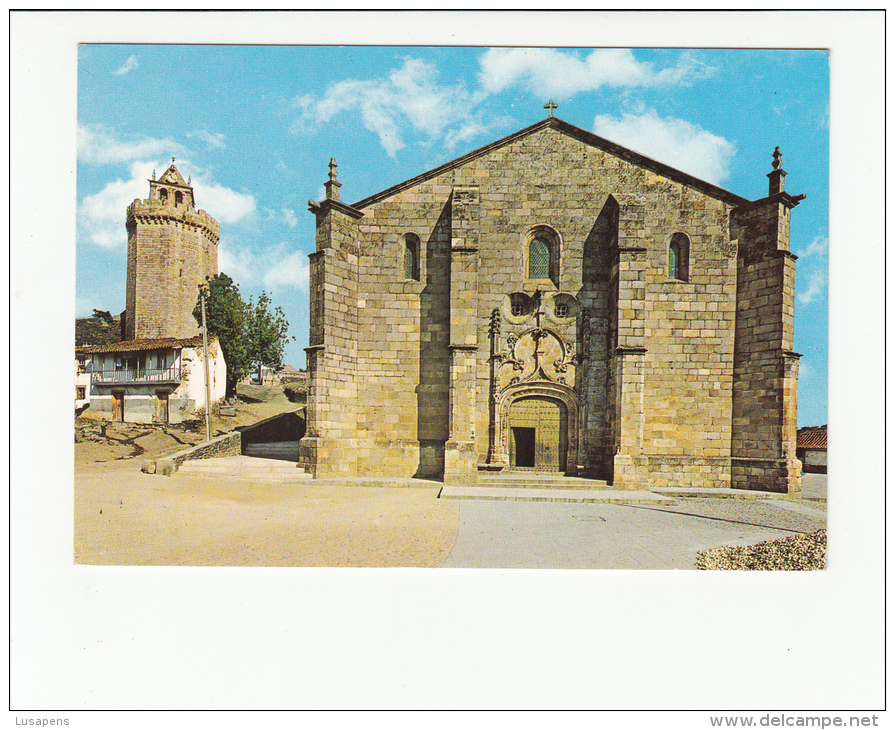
{"x":268,"y":333}
{"x":251,"y":334}
{"x":104,"y":316}
{"x":227,"y":316}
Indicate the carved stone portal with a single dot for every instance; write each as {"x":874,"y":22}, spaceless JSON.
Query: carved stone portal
{"x":536,"y":365}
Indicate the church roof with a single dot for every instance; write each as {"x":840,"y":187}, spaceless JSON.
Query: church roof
{"x":580,"y":134}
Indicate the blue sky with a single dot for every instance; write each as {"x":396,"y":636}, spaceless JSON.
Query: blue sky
{"x":255,"y":126}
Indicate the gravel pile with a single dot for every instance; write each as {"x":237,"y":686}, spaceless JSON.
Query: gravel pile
{"x":801,"y":552}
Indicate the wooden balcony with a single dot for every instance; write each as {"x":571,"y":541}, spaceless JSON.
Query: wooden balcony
{"x":132,"y":376}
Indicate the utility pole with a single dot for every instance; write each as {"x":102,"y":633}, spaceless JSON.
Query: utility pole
{"x":203,"y":293}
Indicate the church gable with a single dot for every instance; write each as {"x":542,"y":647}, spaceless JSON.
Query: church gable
{"x":528,"y":137}
{"x":551,"y":182}
{"x":172,"y":176}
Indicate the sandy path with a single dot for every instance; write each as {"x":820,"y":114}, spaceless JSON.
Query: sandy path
{"x":124,"y":517}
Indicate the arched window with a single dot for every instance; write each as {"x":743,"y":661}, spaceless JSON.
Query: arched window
{"x":178,"y":198}
{"x":539,"y":259}
{"x":679,"y":257}
{"x":163,"y":195}
{"x":411,"y":257}
{"x":542,"y":254}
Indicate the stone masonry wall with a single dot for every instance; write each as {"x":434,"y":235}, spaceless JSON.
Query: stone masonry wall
{"x":689,"y":328}
{"x":171,"y":249}
{"x":593,"y":200}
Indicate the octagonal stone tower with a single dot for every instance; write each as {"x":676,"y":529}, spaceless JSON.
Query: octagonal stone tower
{"x":171,"y":248}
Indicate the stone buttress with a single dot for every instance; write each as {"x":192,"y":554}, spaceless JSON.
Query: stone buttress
{"x":765,"y":385}
{"x":460,"y":454}
{"x":627,"y":366}
{"x":329,"y":447}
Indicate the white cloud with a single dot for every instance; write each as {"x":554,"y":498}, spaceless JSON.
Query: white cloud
{"x":817,"y":247}
{"x":812,"y":281}
{"x":214,"y":140}
{"x":675,"y":142}
{"x":221,"y":203}
{"x":413,"y":99}
{"x":128,"y":66}
{"x":411,"y":94}
{"x":289,"y":272}
{"x":276,"y":268}
{"x":101,"y":217}
{"x":815,"y":282}
{"x":235,"y":261}
{"x":96,"y":144}
{"x":469,"y":130}
{"x":289,"y":218}
{"x":552,"y":72}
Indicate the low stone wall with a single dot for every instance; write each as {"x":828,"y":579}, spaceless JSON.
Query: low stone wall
{"x":230,"y":444}
{"x":141,"y":409}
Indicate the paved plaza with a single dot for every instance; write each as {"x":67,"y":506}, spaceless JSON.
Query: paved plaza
{"x":222,"y":514}
{"x":506,"y":534}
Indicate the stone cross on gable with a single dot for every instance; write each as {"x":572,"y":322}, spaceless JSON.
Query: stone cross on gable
{"x":551,"y":106}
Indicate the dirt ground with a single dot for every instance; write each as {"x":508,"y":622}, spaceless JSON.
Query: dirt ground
{"x":98,"y":442}
{"x":125,"y":517}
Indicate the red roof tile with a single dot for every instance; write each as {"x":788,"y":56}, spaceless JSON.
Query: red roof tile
{"x":149,"y":344}
{"x":812,"y":438}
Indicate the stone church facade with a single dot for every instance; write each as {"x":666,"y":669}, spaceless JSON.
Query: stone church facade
{"x":555,"y":302}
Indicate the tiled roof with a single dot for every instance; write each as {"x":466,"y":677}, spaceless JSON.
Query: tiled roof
{"x":812,"y":438}
{"x":150,"y":344}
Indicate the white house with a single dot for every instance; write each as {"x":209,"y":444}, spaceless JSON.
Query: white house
{"x":153,"y":380}
{"x":811,"y":449}
{"x":82,"y":378}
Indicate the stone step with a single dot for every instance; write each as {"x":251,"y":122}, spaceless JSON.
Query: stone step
{"x":721,"y":493}
{"x":540,"y":480}
{"x":534,"y":494}
{"x":281,"y":450}
{"x":387,"y":482}
{"x":244,"y":467}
